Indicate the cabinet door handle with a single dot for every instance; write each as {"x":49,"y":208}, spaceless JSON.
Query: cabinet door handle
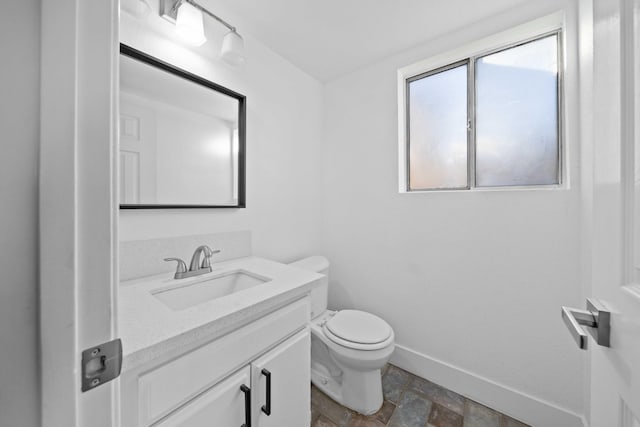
{"x":267,"y":408}
{"x":247,"y":405}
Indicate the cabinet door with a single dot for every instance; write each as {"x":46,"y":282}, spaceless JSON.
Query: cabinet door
{"x":222,"y":405}
{"x":288,"y":366}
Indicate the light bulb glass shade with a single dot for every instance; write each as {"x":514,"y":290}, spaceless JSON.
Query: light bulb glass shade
{"x":189,"y":25}
{"x":232,"y":49}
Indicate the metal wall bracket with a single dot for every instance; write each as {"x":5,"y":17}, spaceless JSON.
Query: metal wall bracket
{"x":596,"y":318}
{"x":168,"y":11}
{"x":101,"y":364}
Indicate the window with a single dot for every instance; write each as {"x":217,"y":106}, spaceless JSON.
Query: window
{"x":490,"y":120}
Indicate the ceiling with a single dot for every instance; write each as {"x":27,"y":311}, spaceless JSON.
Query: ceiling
{"x":330,"y":38}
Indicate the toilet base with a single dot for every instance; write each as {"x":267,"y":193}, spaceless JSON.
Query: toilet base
{"x":351,"y":377}
{"x":352,"y":397}
{"x":327,"y":384}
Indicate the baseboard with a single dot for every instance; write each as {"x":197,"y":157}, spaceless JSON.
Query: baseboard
{"x":518,"y":405}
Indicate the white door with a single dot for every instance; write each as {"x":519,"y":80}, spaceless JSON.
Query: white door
{"x":78,"y":206}
{"x":615,"y":220}
{"x":280,"y":384}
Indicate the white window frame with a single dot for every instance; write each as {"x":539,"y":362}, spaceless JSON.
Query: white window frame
{"x":510,"y":38}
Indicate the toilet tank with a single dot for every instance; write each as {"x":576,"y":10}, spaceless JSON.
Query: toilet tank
{"x":319,"y":264}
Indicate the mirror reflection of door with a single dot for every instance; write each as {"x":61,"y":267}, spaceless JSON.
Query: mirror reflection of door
{"x":137,"y":152}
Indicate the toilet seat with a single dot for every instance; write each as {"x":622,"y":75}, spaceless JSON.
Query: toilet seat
{"x":358,"y":330}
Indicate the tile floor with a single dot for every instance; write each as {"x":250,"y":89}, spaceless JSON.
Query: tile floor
{"x":409,"y":401}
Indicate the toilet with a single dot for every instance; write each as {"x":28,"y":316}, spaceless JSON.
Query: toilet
{"x":348,"y":348}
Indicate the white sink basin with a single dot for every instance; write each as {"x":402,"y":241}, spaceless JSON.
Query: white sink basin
{"x":180,"y":296}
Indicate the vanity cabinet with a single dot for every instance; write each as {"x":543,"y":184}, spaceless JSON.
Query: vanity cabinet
{"x":271,"y":388}
{"x":262,"y":365}
{"x":222,"y":405}
{"x":288,"y":367}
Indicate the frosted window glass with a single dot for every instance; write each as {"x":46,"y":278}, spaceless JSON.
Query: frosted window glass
{"x":517,"y":115}
{"x":438,"y":130}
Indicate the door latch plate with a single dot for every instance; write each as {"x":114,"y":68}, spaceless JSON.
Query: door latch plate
{"x":101,"y":364}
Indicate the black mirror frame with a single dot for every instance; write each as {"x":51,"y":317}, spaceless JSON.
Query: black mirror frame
{"x":242,"y":120}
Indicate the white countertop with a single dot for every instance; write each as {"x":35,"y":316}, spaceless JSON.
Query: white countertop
{"x":149,"y":329}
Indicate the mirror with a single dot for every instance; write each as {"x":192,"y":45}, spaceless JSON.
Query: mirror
{"x":182,"y":138}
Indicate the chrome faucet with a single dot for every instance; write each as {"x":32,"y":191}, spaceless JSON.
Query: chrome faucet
{"x":206,"y":262}
{"x":196,"y":267}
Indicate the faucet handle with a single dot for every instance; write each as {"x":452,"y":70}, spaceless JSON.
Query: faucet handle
{"x":208,"y":253}
{"x":180,"y":268}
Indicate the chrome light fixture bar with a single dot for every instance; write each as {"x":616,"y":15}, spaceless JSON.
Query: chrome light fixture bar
{"x":187,"y":15}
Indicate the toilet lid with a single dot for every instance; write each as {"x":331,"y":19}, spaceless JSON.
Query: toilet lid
{"x":359,"y":327}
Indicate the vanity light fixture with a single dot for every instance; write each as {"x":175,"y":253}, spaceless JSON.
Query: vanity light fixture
{"x":190,"y":25}
{"x":187,"y":15}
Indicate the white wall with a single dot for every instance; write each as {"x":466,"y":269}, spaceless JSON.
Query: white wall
{"x":471,"y":279}
{"x":19,"y":121}
{"x":284,"y":135}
